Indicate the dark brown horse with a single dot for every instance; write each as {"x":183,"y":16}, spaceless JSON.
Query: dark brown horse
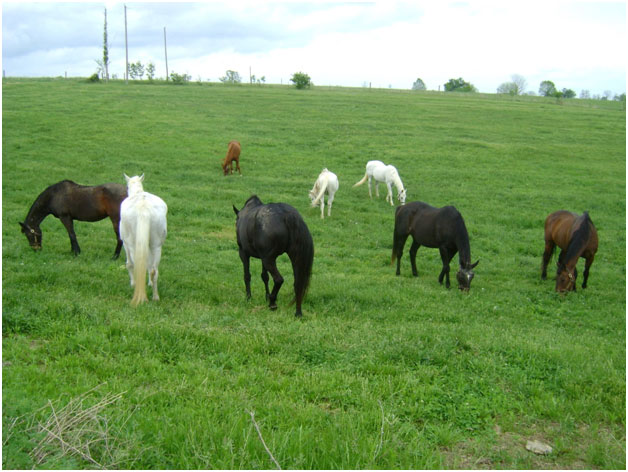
{"x":69,"y":201}
{"x":233,"y":155}
{"x":266,"y":232}
{"x":441,"y":228}
{"x":576,"y":236}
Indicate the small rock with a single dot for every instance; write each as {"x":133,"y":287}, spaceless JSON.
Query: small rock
{"x":538,"y":447}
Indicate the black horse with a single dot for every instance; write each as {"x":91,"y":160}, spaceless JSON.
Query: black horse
{"x":266,"y":232}
{"x":69,"y":201}
{"x":441,"y":228}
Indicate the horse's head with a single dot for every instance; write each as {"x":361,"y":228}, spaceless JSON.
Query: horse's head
{"x":134,"y":184}
{"x":465,"y":276}
{"x":402,"y":196}
{"x":225,"y":167}
{"x":565,"y":278}
{"x":33,"y":234}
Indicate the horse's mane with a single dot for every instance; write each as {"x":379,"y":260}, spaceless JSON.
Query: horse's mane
{"x":462,"y":241}
{"x":579,"y":238}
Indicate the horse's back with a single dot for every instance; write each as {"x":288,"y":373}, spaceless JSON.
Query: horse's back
{"x":431,"y":226}
{"x":233,"y":151}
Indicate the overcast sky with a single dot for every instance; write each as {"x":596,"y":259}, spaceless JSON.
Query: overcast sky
{"x":576,"y":44}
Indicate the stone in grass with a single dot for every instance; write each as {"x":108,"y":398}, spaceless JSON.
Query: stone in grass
{"x":538,"y":447}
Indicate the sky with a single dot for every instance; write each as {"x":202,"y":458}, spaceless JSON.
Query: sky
{"x":578,"y":45}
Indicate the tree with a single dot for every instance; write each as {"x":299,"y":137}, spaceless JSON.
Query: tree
{"x":509,"y":88}
{"x":136,"y":70}
{"x":301,"y":80}
{"x":231,"y":77}
{"x":150,"y":71}
{"x":585,"y":94}
{"x":520,"y":82}
{"x":568,"y":93}
{"x":105,"y":52}
{"x":547,"y":89}
{"x":179,"y":79}
{"x":459,"y":85}
{"x":418,"y":85}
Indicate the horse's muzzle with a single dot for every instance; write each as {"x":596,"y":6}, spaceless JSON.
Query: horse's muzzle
{"x":36,"y":247}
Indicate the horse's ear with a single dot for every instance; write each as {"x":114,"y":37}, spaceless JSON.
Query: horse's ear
{"x":236,"y":211}
{"x":24,"y":227}
{"x":476,"y":263}
{"x":142,"y":177}
{"x":127,"y":178}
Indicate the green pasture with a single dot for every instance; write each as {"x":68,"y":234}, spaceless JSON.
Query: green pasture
{"x":382,"y":372}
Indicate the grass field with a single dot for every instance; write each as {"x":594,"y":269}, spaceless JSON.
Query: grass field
{"x":381,"y":371}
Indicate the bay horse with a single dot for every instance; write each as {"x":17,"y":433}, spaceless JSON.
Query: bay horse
{"x":265,"y":231}
{"x":70,"y":201}
{"x":384,"y":173}
{"x":233,"y":155}
{"x":441,"y":228}
{"x":327,"y":181}
{"x":143,"y":229}
{"x":576,"y":236}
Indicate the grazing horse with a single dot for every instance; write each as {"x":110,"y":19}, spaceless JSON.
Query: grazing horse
{"x":233,"y":154}
{"x":327,"y":181}
{"x":577,"y":237}
{"x":69,"y":201}
{"x":267,"y":231}
{"x":441,"y":228}
{"x":143,"y":230}
{"x":382,"y":173}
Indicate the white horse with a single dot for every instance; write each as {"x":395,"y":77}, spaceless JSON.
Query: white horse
{"x":327,"y":181}
{"x":143,"y":232}
{"x":382,"y":173}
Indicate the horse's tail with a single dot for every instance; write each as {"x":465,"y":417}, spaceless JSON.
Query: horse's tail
{"x":142,"y":239}
{"x":399,"y":236}
{"x":366,"y":175}
{"x":321,"y":192}
{"x":302,"y":258}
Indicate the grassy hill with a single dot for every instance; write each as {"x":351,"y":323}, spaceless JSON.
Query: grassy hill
{"x":382,"y":371}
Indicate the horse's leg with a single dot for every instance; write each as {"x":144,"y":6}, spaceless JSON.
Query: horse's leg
{"x":587,"y":266}
{"x":377,"y":188}
{"x":271,"y":266}
{"x":389,"y":196}
{"x":446,"y":257}
{"x":547,"y":255}
{"x":369,"y":182}
{"x":330,"y":198}
{"x":238,"y":166}
{"x":265,"y":280}
{"x":69,"y":226}
{"x":153,"y":274}
{"x":116,"y":227}
{"x":247,"y":273}
{"x":413,"y":250}
{"x":322,"y":205}
{"x":129,"y":262}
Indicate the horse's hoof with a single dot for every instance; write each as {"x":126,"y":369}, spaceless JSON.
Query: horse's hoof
{"x":272,"y":307}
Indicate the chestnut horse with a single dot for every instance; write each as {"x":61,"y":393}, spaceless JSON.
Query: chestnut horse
{"x":576,"y":236}
{"x":233,"y":154}
{"x":70,"y":201}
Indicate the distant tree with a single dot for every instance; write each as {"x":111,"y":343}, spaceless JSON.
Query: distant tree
{"x":301,"y":80}
{"x":620,"y":98}
{"x":459,"y":85}
{"x":520,"y":82}
{"x":231,"y":77}
{"x":150,"y":71}
{"x":585,"y":94}
{"x":547,"y":89}
{"x":608,"y":94}
{"x":136,"y":70}
{"x":508,"y":88}
{"x":105,"y":52}
{"x":179,"y":79}
{"x":418,"y":85}
{"x":568,"y":93}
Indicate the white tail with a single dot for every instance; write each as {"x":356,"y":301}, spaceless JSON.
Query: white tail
{"x":366,"y":176}
{"x":142,"y":240}
{"x":320,"y":193}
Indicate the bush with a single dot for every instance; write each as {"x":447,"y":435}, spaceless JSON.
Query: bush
{"x":93,"y":78}
{"x":179,"y":79}
{"x":301,"y":80}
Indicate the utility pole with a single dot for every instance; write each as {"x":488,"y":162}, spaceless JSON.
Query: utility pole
{"x":166,"y":53}
{"x":126,"y":46}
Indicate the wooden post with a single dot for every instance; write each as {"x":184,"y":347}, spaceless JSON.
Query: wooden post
{"x":166,"y":52}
